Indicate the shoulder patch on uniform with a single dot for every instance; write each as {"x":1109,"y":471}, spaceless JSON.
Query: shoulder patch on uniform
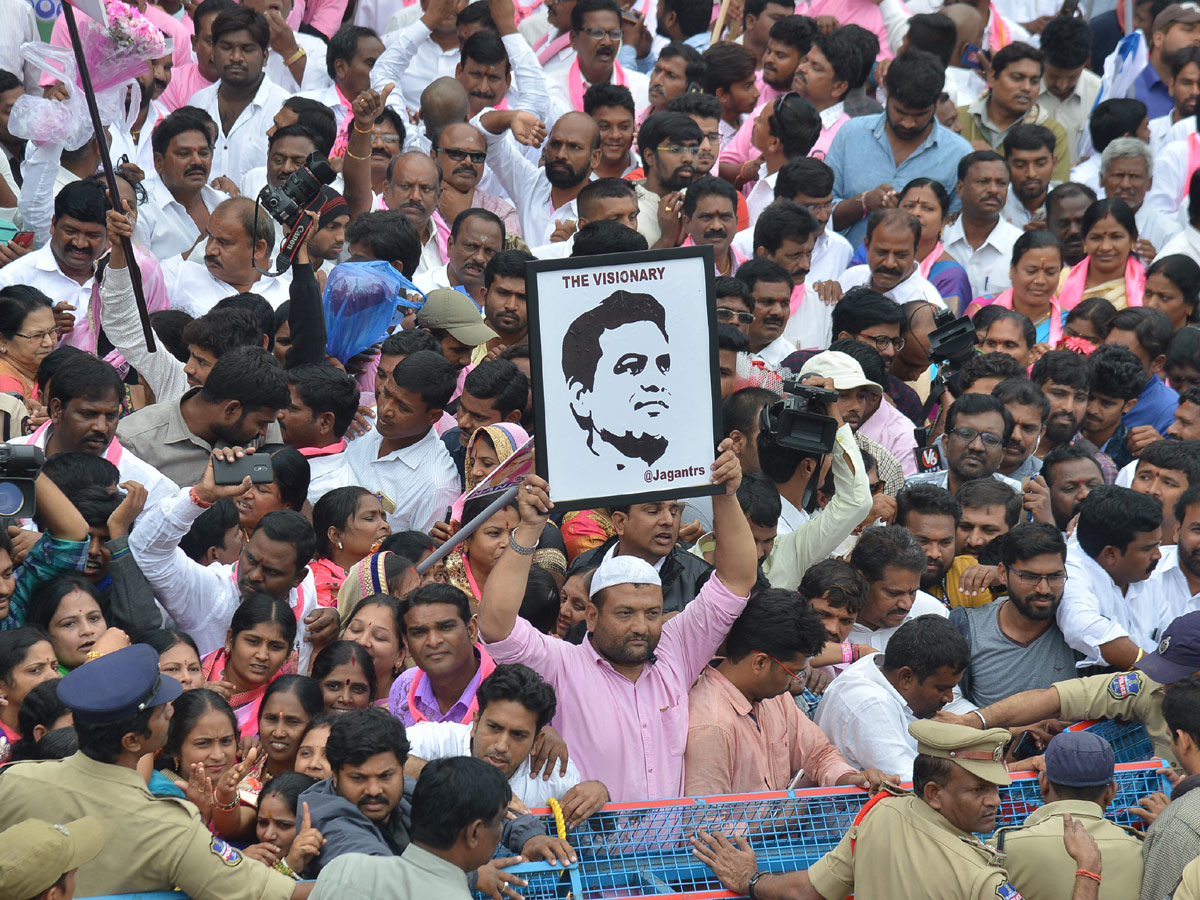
{"x":226,"y":852}
{"x":1007,"y":892}
{"x":1127,"y":684}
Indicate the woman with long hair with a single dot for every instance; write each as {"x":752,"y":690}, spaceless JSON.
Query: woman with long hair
{"x":1110,"y":269}
{"x":346,"y":676}
{"x":1037,"y":263}
{"x":376,"y":624}
{"x":350,"y":524}
{"x":288,"y":705}
{"x":286,"y":839}
{"x":288,"y":489}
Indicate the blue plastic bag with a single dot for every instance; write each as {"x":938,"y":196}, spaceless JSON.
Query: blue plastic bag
{"x":360,"y":302}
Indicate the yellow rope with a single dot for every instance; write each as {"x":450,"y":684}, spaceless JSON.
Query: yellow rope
{"x":559,"y":823}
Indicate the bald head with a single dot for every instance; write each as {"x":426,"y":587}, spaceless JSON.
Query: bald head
{"x":443,"y":102}
{"x":578,"y":125}
{"x":413,"y":185}
{"x":968,"y":21}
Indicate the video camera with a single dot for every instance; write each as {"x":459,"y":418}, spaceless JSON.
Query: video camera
{"x":19,"y":467}
{"x":800,"y":422}
{"x":287,"y":204}
{"x":951,"y":343}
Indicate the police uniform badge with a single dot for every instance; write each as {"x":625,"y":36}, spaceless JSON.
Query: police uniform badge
{"x":1007,"y":892}
{"x":225,"y":852}
{"x":1125,"y":685}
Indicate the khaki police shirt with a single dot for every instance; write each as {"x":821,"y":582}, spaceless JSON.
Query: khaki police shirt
{"x":1189,"y":887}
{"x":905,"y":849}
{"x":1132,"y":696}
{"x":1040,"y":867}
{"x":153,"y":844}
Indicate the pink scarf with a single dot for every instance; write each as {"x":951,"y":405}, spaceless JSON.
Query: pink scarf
{"x":737,"y":258}
{"x":1072,"y":290}
{"x":1006,"y":300}
{"x":551,"y":48}
{"x":797,"y":298}
{"x":821,"y":147}
{"x":486,"y":666}
{"x":934,"y":255}
{"x":575,"y":82}
{"x":999,"y":36}
{"x":1193,"y":163}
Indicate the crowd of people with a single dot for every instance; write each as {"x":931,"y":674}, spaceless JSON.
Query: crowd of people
{"x":264,"y":684}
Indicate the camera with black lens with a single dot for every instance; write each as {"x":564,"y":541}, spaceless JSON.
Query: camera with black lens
{"x":285,"y":204}
{"x":19,"y":467}
{"x":800,"y":420}
{"x":951,"y":343}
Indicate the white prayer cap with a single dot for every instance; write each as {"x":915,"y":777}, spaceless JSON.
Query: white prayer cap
{"x":623,"y":570}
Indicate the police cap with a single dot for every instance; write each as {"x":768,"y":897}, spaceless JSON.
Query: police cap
{"x":117,"y":685}
{"x":979,"y":752}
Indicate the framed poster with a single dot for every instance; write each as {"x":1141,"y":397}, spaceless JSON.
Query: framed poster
{"x":623,"y":352}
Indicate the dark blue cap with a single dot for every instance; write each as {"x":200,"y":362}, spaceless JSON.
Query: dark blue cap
{"x":117,"y":685}
{"x":1079,"y":759}
{"x":1178,"y":653}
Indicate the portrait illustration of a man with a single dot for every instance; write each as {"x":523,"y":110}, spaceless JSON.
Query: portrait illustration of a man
{"x":616,"y":359}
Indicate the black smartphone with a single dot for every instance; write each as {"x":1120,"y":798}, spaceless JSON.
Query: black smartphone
{"x":257,"y":466}
{"x":1026,"y":747}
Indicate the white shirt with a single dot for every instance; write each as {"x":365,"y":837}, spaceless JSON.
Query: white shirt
{"x":1094,"y":611}
{"x":1170,"y":186}
{"x":121,"y":323}
{"x":201,"y":599}
{"x":193,"y":288}
{"x":760,"y":197}
{"x":441,"y":740}
{"x":1158,"y":130}
{"x":1186,"y":242}
{"x":140,"y":150}
{"x":776,"y":351}
{"x":315,"y":77}
{"x":555,"y":249}
{"x":1017,"y":213}
{"x":923,"y":605}
{"x":1154,"y":226}
{"x":433,"y":278}
{"x":790,"y":518}
{"x":1088,"y":172}
{"x":558,"y":69}
{"x":525,"y":185}
{"x":330,"y":97}
{"x":964,"y":86}
{"x":1072,"y":113}
{"x":914,"y":287}
{"x":22,"y":26}
{"x":164,"y":226}
{"x":867,"y":719}
{"x":988,"y":264}
{"x":412,"y":61}
{"x":419,"y":481}
{"x":131,"y":468}
{"x":1169,"y":586}
{"x":328,"y":472}
{"x":245,"y":144}
{"x":40,"y":269}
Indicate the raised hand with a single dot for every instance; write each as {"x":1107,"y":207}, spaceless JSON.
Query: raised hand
{"x":307,"y":844}
{"x":208,"y":490}
{"x":120,"y":523}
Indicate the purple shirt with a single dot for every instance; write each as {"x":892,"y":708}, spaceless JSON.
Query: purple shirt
{"x":426,"y":702}
{"x":629,"y":734}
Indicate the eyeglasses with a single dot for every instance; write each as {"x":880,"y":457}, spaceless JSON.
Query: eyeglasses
{"x":392,"y":140}
{"x":877,"y":487}
{"x":727,"y":315}
{"x":478,"y":157}
{"x":713,"y":137}
{"x":968,"y":435}
{"x":1033,"y":579}
{"x":818,"y":207}
{"x":599,"y":34}
{"x":39,"y":337}
{"x":679,"y":149}
{"x":882,"y":341}
{"x":797,"y":679}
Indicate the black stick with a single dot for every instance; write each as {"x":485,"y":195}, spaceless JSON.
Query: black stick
{"x":468,"y":528}
{"x":85,"y":77}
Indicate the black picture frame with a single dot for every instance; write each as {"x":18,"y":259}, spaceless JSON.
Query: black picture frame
{"x":702,"y":339}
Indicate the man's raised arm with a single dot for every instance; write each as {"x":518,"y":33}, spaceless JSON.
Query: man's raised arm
{"x":505,"y":588}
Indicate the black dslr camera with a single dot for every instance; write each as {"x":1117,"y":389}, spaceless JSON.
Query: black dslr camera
{"x":951,"y":343}
{"x":800,"y":422}
{"x":286,"y":204}
{"x":19,"y":466}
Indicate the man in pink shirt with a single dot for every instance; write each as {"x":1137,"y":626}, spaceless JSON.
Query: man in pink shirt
{"x":187,"y":79}
{"x":623,"y":692}
{"x":745,"y":732}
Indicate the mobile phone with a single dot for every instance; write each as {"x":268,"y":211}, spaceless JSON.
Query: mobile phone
{"x":631,"y":18}
{"x":1069,"y":8}
{"x":1026,"y":747}
{"x":24,"y":238}
{"x":972,"y":57}
{"x":258,"y":467}
{"x":797,"y":780}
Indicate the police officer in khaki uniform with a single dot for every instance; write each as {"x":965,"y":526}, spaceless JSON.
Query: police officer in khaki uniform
{"x":40,"y":859}
{"x":1135,"y":696}
{"x":1078,"y":779}
{"x":1189,"y":887}
{"x":919,"y":846}
{"x":122,"y":706}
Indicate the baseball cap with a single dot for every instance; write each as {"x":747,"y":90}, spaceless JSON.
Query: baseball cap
{"x":117,"y":685}
{"x":979,"y":752}
{"x":38,"y":853}
{"x":843,"y":368}
{"x":457,"y":313}
{"x":622,"y":570}
{"x":1178,"y":653}
{"x":1080,"y":759}
{"x":1187,"y":13}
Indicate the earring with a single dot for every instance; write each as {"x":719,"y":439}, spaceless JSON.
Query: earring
{"x":340,"y":547}
{"x":228,"y":649}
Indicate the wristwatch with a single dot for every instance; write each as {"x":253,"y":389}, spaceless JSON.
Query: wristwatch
{"x":753,"y":882}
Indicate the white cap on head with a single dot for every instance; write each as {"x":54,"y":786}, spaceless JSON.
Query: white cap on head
{"x":843,"y":368}
{"x":622,"y":570}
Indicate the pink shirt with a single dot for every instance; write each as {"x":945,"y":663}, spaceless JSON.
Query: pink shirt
{"x":629,"y":734}
{"x":894,"y":430}
{"x":863,"y":13}
{"x":185,"y":82}
{"x":736,"y":747}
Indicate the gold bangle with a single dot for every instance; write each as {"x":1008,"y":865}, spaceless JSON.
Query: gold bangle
{"x":92,"y":654}
{"x":350,"y":155}
{"x":359,"y":130}
{"x":223,"y":807}
{"x":295,"y":57}
{"x":1138,"y":658}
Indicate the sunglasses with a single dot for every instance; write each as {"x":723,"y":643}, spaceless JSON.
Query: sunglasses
{"x":726,"y":315}
{"x":478,"y":157}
